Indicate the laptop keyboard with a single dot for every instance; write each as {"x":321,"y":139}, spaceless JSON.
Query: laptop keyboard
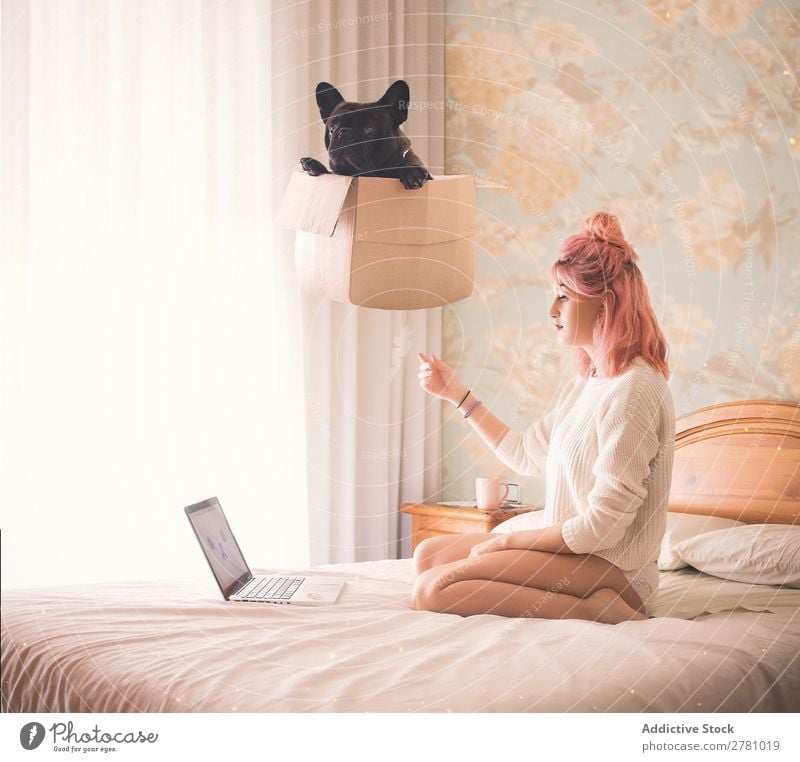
{"x":270,"y":588}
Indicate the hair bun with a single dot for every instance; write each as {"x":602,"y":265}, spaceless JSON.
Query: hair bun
{"x":605,"y":227}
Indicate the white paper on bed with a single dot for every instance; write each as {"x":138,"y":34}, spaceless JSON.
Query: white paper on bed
{"x":177,"y":646}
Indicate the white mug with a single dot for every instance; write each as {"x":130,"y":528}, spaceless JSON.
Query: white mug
{"x":489,"y":495}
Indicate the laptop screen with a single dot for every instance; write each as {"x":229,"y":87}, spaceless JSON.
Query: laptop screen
{"x":219,"y":545}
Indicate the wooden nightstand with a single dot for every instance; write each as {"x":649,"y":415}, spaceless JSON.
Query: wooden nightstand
{"x":434,"y":519}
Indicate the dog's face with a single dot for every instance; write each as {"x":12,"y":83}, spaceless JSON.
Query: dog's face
{"x":361,"y":137}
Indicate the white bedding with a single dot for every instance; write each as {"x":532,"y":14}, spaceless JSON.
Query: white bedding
{"x":177,"y":646}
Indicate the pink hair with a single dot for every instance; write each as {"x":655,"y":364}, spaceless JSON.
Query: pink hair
{"x":599,"y":264}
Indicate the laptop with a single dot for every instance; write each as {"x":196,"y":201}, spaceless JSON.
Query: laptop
{"x":233,"y":574}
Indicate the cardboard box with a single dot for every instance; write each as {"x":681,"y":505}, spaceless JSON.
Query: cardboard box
{"x":370,"y":242}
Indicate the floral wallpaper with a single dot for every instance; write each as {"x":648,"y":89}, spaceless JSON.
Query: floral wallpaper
{"x":683,"y":118}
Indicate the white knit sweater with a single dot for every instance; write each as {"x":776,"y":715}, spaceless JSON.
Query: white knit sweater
{"x":606,"y":450}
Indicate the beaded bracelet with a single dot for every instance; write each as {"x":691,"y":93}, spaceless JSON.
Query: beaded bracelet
{"x":467,"y":414}
{"x":462,"y":401}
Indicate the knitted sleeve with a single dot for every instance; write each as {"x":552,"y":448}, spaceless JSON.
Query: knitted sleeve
{"x":525,"y":452}
{"x":627,"y":445}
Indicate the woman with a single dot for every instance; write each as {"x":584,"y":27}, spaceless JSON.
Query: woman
{"x":605,"y":450}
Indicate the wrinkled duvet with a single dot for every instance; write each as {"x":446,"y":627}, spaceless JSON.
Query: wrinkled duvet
{"x":177,"y":646}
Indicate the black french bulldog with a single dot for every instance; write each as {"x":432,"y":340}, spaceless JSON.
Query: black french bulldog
{"x":364,"y":139}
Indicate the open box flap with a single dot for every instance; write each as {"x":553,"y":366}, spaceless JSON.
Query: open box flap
{"x":442,"y":210}
{"x":386,"y":212}
{"x":313,"y":204}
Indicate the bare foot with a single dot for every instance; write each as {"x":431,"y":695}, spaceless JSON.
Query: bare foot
{"x":610,"y":608}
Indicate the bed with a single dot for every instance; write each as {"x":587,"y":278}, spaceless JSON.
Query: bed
{"x":712,"y":644}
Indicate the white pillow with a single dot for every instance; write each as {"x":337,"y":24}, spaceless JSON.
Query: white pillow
{"x":529,"y":520}
{"x":682,"y":526}
{"x":764,"y":554}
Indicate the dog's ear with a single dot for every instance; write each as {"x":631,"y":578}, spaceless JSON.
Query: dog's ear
{"x":328,"y":97}
{"x":396,"y":98}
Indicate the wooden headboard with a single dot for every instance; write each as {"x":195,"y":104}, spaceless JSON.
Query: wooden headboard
{"x":739,"y":460}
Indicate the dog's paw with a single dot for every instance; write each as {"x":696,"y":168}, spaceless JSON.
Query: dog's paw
{"x":414,"y":177}
{"x":313,"y":167}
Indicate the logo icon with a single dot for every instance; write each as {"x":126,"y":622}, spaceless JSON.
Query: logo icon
{"x":31,"y":735}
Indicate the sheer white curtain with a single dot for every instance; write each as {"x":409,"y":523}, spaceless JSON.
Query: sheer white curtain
{"x":155,"y":347}
{"x":373,"y":434}
{"x":151,"y":328}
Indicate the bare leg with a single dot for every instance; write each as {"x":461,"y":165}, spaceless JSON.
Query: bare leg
{"x":434,"y":551}
{"x":580,"y":577}
{"x":612,"y":608}
{"x":470,"y":597}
